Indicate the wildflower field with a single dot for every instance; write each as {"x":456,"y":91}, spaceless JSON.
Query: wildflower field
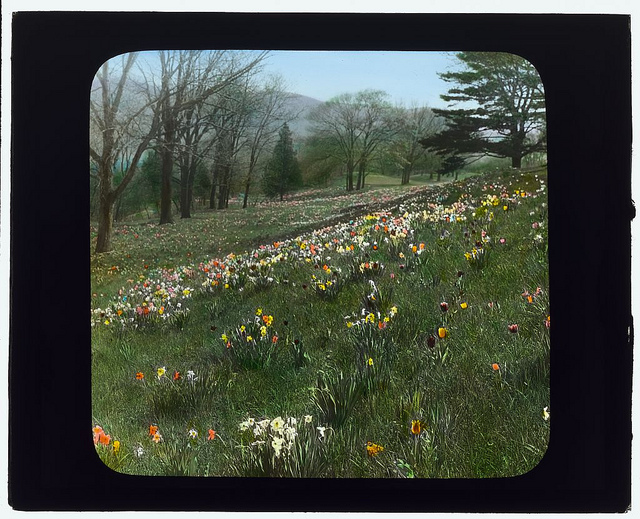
{"x":401,"y":334}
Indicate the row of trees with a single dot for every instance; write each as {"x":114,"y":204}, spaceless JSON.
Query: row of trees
{"x":207,"y":124}
{"x":351,"y":131}
{"x":181,"y":111}
{"x":496,"y":109}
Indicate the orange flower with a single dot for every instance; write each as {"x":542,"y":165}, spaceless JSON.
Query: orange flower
{"x":414,"y":249}
{"x":176,"y":375}
{"x":104,"y":439}
{"x":153,"y":429}
{"x":274,"y":339}
{"x":139,"y":375}
{"x":212,"y":434}
{"x":416,"y":427}
{"x":422,"y":246}
{"x":97,"y":432}
{"x":495,"y":366}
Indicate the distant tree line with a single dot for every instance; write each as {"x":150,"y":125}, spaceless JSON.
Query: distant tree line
{"x":178,"y":129}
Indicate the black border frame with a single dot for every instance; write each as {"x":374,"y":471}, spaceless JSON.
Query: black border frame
{"x":584,"y":62}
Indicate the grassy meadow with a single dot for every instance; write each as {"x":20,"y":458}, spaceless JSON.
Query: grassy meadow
{"x":395,"y":332}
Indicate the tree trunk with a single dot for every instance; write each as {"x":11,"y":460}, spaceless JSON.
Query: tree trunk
{"x":246,"y":192}
{"x":185,"y":206}
{"x":222,"y":192}
{"x":516,"y":162}
{"x":350,"y":169}
{"x":212,"y":197}
{"x":105,"y":224}
{"x":165,"y":192}
{"x":406,"y":174}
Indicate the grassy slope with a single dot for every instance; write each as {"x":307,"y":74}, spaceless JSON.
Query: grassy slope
{"x":478,"y":422}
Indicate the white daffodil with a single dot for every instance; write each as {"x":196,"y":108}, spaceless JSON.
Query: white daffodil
{"x":138,"y":451}
{"x":276,"y":424}
{"x":277,"y":443}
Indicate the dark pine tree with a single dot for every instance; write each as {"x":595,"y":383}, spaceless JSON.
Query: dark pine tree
{"x":282,"y":172}
{"x":504,"y":109}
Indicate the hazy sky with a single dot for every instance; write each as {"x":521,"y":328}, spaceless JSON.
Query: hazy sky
{"x":406,"y":76}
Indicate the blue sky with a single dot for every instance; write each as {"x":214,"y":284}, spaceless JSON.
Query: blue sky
{"x":407,"y":76}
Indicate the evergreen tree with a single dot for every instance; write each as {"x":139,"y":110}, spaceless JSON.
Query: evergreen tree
{"x":282,"y":171}
{"x":507,"y":113}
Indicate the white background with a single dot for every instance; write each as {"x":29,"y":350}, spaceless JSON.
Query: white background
{"x":395,"y":6}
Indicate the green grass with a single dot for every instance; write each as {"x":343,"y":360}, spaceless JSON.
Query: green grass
{"x":364,"y":382}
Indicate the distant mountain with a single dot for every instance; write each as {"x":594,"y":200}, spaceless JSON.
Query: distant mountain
{"x":301,"y":105}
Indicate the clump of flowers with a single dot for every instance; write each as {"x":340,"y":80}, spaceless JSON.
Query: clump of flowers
{"x":253,"y":343}
{"x":373,"y":449}
{"x":282,"y":446}
{"x":100,"y":437}
{"x":328,"y":284}
{"x":152,"y":299}
{"x":477,"y":258}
